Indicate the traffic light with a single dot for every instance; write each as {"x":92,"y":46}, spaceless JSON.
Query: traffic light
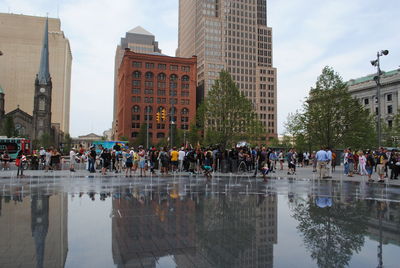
{"x":163,"y":115}
{"x":158,"y":117}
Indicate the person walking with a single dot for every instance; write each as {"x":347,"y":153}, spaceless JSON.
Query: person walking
{"x":362,"y":164}
{"x":92,"y":158}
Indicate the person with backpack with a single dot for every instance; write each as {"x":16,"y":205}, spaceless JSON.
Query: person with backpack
{"x":164,"y":161}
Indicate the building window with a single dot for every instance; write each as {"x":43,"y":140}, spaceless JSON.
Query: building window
{"x":172,"y":110}
{"x":172,"y":92}
{"x":42,"y":104}
{"x":184,"y":119}
{"x":137,"y":64}
{"x":160,"y":135}
{"x":148,"y":109}
{"x":148,"y":100}
{"x":366,"y":101}
{"x":390,"y":123}
{"x":149,"y":75}
{"x":173,"y":77}
{"x":160,"y":126}
{"x":162,"y":66}
{"x":389,"y":97}
{"x":389,"y":109}
{"x":134,"y":134}
{"x":173,"y":85}
{"x":184,"y":126}
{"x":184,"y":102}
{"x":185,"y":86}
{"x":185,"y":94}
{"x":148,"y":84}
{"x":136,"y":91}
{"x":174,"y":67}
{"x":185,"y":78}
{"x":161,"y":85}
{"x":173,"y":101}
{"x":149,"y":65}
{"x":136,"y":117}
{"x":136,"y":99}
{"x":135,"y":125}
{"x":136,"y":109}
{"x":148,"y":91}
{"x":185,"y":111}
{"x":161,"y":76}
{"x":150,"y":117}
{"x":185,"y":68}
{"x":136,"y":83}
{"x":161,"y":92}
{"x":136,"y":74}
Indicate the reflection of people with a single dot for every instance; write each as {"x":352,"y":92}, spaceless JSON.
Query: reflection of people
{"x":323,"y":202}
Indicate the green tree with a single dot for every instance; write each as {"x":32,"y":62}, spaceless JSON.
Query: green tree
{"x":391,"y":134}
{"x":9,"y":127}
{"x":45,"y":140}
{"x":332,"y":234}
{"x":67,"y":141}
{"x":228,"y":115}
{"x":331,"y":117}
{"x":141,"y":139}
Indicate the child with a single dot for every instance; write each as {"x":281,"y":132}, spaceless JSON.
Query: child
{"x":207,"y":165}
{"x":265,"y":170}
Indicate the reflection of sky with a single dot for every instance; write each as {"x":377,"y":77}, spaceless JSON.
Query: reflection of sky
{"x":166,"y":262}
{"x":89,"y":233}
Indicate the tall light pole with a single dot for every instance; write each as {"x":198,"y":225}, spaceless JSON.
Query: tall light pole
{"x":377,"y":79}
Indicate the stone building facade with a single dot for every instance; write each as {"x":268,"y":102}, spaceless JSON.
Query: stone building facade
{"x":148,"y":84}
{"x":364,"y":89}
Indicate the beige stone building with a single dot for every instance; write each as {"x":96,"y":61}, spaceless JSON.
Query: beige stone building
{"x":21,"y":40}
{"x":232,"y":35}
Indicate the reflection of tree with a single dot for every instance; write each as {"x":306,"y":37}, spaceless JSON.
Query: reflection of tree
{"x":331,"y":234}
{"x":227,"y":229}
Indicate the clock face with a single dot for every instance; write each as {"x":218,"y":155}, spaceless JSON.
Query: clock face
{"x":42,"y":89}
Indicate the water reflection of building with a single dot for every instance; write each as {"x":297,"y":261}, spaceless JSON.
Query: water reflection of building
{"x":384,"y":220}
{"x":33,"y":232}
{"x":234,"y":231}
{"x":145,"y":230}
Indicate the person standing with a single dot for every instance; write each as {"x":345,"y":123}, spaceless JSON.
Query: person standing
{"x":106,"y":160}
{"x":362,"y":163}
{"x":350,"y":162}
{"x":369,"y":165}
{"x":19,"y":163}
{"x":174,"y":159}
{"x":142,"y":161}
{"x":92,"y":159}
{"x":322,"y":160}
{"x":382,"y":160}
{"x":329,"y":163}
{"x":72,"y":158}
{"x":181,"y":158}
{"x":128,"y":163}
{"x":5,"y":157}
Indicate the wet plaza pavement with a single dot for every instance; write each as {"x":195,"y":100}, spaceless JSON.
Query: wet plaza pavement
{"x":187,"y":221}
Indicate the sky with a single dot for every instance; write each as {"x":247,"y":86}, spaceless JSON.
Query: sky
{"x":307,"y":35}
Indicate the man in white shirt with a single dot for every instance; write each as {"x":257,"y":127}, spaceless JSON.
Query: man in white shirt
{"x":181,"y":157}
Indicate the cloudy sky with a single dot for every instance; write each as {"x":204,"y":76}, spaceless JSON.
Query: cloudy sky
{"x":307,"y":34}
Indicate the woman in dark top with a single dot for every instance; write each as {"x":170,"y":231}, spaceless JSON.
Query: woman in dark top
{"x":106,"y":157}
{"x":18,"y":163}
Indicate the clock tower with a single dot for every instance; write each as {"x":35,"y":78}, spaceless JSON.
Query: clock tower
{"x":43,"y":90}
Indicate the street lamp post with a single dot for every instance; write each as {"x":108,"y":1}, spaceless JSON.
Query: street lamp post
{"x":377,"y":79}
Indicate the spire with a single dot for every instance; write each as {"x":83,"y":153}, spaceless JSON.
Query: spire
{"x":44,"y":75}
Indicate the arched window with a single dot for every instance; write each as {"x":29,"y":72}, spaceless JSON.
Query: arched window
{"x":136,"y":74}
{"x":161,"y":76}
{"x":136,"y":109}
{"x":173,"y":77}
{"x":149,"y":75}
{"x":160,"y":108}
{"x":42,"y":104}
{"x":185,"y":111}
{"x":148,"y":109}
{"x":185,"y":78}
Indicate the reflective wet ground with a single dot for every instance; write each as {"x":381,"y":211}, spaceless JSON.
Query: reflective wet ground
{"x":190,"y":222}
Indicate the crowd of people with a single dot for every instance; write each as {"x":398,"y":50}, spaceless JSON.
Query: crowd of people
{"x":141,"y":162}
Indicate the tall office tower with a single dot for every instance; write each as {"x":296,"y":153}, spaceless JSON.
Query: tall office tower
{"x":21,"y":42}
{"x":232,"y":35}
{"x":137,"y":40}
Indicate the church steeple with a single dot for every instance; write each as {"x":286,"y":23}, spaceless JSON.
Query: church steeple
{"x":43,"y":91}
{"x":44,"y":74}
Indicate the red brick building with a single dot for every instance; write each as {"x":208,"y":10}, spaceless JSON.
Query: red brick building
{"x":151,"y":83}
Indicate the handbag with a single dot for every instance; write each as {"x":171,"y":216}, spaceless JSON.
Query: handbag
{"x":17,"y":162}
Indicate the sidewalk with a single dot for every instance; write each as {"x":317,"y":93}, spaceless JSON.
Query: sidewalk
{"x":301,"y":173}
